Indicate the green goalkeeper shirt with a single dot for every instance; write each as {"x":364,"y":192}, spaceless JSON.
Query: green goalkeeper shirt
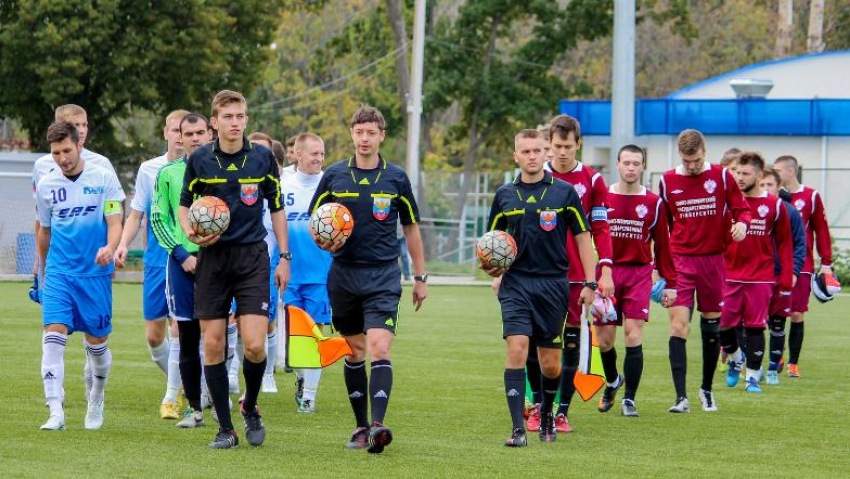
{"x":164,"y":211}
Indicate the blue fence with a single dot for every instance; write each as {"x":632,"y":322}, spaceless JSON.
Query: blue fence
{"x":719,"y":117}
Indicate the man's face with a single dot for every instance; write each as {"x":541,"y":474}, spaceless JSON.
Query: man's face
{"x":171,"y":133}
{"x":311,"y":157}
{"x":81,"y":121}
{"x":230,"y":121}
{"x":528,"y":155}
{"x":564,"y":150}
{"x":66,"y":154}
{"x":786,"y":172}
{"x":194,"y":135}
{"x":768,"y":183}
{"x":693,"y":163}
{"x":747,"y":177}
{"x":291,"y":157}
{"x":630,"y":166}
{"x":367,"y":138}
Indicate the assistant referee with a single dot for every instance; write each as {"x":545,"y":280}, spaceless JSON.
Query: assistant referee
{"x":235,"y":264}
{"x":364,"y":282}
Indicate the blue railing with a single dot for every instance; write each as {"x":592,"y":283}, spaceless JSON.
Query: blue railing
{"x":720,"y":117}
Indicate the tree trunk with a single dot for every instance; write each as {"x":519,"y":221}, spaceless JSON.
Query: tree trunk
{"x":814,"y":43}
{"x":785,"y":28}
{"x":396,"y":17}
{"x":475,"y":137}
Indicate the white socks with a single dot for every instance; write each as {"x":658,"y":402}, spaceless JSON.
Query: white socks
{"x":311,"y":382}
{"x":159,"y":355}
{"x":100,"y":358}
{"x":174,"y":380}
{"x":53,"y":370}
{"x":232,"y":339}
{"x":271,"y":352}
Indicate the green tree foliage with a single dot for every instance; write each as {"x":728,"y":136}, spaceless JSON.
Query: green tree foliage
{"x":113,"y":57}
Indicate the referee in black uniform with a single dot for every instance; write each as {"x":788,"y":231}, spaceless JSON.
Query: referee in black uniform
{"x":235,"y":264}
{"x":364,"y":282}
{"x":538,"y":211}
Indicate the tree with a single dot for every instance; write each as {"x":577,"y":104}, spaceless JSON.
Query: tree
{"x":784,"y":28}
{"x":113,"y":56}
{"x":814,"y":42}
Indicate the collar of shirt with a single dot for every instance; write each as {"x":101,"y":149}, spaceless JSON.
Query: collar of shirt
{"x":680,"y":170}
{"x":382,"y":163}
{"x":547,"y":179}
{"x":246,"y":146}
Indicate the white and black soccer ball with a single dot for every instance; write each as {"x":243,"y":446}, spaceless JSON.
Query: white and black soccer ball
{"x":332,"y":222}
{"x":209,"y":215}
{"x":496,"y":249}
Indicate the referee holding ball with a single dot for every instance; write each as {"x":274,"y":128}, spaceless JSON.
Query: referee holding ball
{"x":364,"y":282}
{"x":235,"y":264}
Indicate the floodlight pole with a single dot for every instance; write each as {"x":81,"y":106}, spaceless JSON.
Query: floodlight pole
{"x":623,"y":82}
{"x":414,"y":104}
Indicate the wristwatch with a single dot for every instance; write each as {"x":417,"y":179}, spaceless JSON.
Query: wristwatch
{"x":590,"y":284}
{"x":286,"y":255}
{"x":423,"y":278}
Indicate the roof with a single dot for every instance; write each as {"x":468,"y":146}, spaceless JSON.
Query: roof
{"x":806,"y":76}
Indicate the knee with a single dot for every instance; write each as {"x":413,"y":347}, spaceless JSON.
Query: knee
{"x":605,"y":342}
{"x":710,"y":326}
{"x":358,"y":350}
{"x":550,"y":367}
{"x":379,"y":349}
{"x":254,"y":349}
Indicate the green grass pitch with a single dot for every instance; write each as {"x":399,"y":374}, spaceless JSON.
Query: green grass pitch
{"x":447,"y":411}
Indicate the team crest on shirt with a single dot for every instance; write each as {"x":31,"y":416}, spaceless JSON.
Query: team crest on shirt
{"x":381,"y":208}
{"x":250,"y":193}
{"x":763,"y":210}
{"x":641,"y":211}
{"x":710,"y":186}
{"x":799,"y":204}
{"x":548,"y":220}
{"x":580,"y":189}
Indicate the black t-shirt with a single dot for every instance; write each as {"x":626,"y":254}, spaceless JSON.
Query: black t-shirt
{"x":243,"y":180}
{"x":538,"y":216}
{"x":378,"y":199}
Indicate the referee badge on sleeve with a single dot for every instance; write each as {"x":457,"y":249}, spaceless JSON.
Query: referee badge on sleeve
{"x":250,"y":193}
{"x":548,"y":220}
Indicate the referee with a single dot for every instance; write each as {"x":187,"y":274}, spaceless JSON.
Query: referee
{"x":364,"y":282}
{"x":538,"y":210}
{"x":235,"y":264}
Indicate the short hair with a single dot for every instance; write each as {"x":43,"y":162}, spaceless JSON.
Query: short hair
{"x":260,"y":136}
{"x":690,"y":142}
{"x":194,"y":118}
{"x":279,"y":151}
{"x":368,"y":114}
{"x":729,"y":156}
{"x":304,"y":138}
{"x":528,"y":133}
{"x":176,"y":115}
{"x":64,"y":112}
{"x":768,"y":171}
{"x":224,"y":98}
{"x":291,"y":141}
{"x":633,"y":149}
{"x":59,"y":131}
{"x":788,"y":160}
{"x":751,"y":158}
{"x":562,"y":125}
{"x":544,"y":130}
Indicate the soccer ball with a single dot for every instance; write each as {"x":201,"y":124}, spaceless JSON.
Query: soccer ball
{"x":209,"y":215}
{"x":496,"y":249}
{"x":332,"y":222}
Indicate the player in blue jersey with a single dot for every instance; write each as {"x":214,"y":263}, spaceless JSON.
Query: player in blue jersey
{"x":79,"y":208}
{"x":307,"y":287}
{"x":165,"y":352}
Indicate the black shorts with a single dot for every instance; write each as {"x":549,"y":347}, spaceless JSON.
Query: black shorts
{"x":534,"y":307}
{"x":228,"y":271}
{"x":363,"y":298}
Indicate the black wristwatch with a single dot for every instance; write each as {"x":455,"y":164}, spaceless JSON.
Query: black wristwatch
{"x":590,"y":284}
{"x":286,"y":255}
{"x":421,"y":278}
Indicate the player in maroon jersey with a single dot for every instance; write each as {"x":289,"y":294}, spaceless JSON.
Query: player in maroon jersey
{"x":697,"y":195}
{"x":749,"y":284}
{"x":808,"y":202}
{"x":565,"y":141}
{"x":638,"y":220}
